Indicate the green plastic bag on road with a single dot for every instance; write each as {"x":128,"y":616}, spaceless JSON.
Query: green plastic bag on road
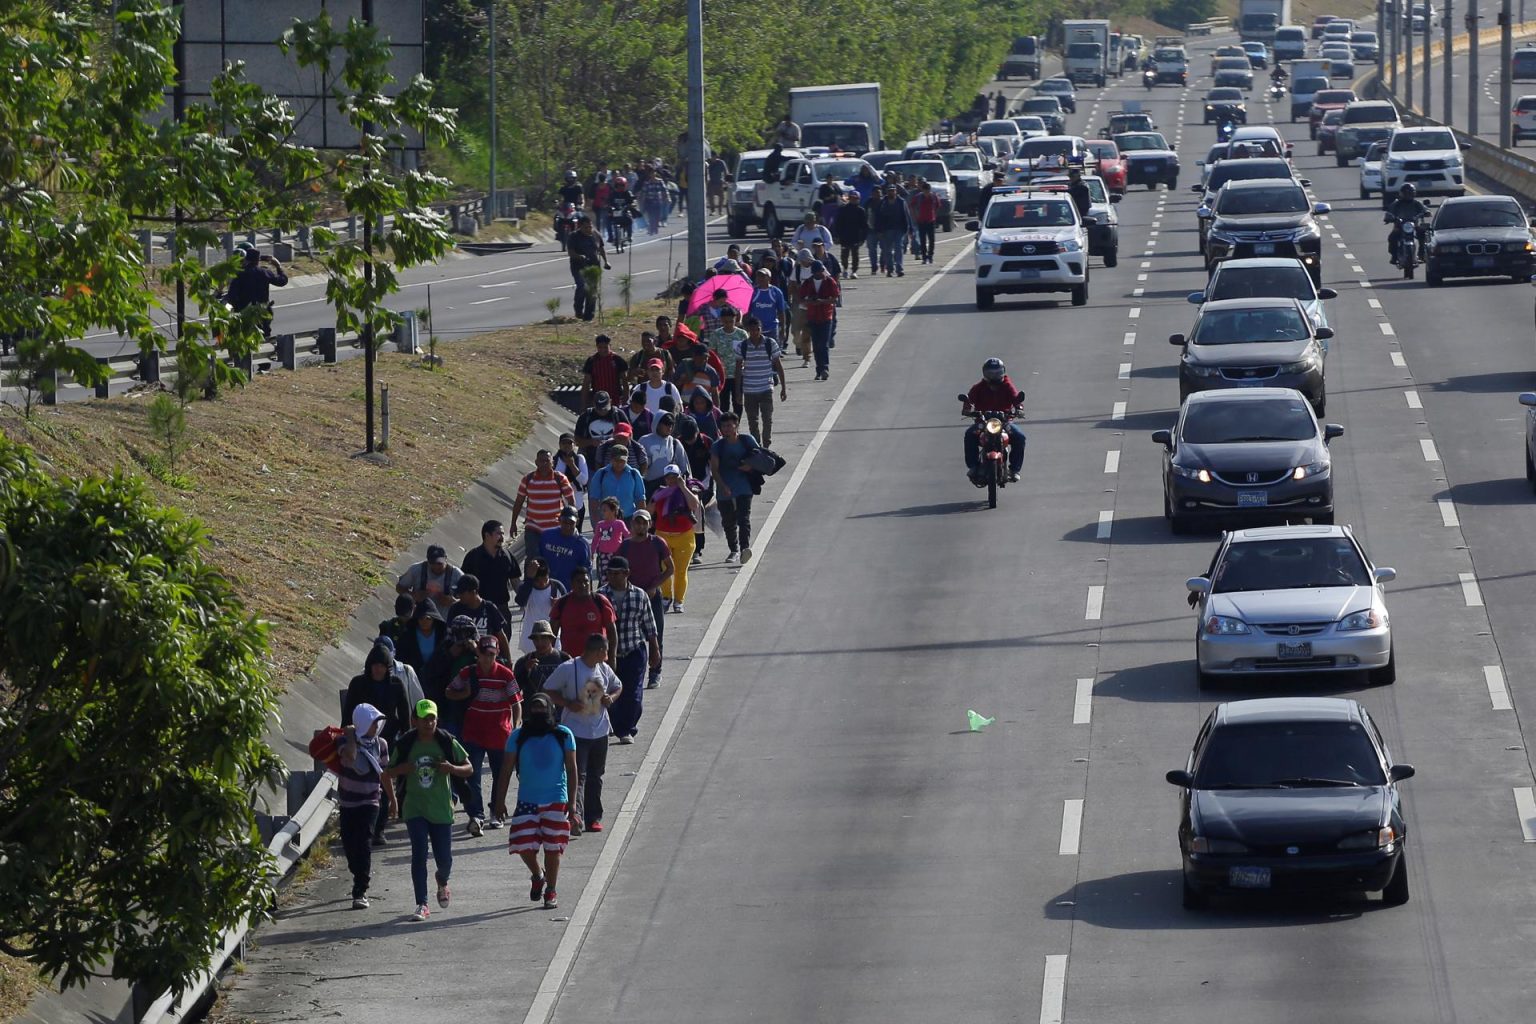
{"x":978,"y":722}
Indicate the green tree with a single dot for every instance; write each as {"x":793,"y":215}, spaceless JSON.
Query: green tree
{"x":133,"y":703}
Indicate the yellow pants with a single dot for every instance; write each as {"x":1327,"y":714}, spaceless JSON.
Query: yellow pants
{"x":681,"y":546}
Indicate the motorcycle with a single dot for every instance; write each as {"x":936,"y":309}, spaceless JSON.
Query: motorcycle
{"x":1224,"y":131}
{"x":1276,"y":92}
{"x":1149,"y":78}
{"x":621,"y":228}
{"x":565,"y":223}
{"x":1410,"y":245}
{"x":993,"y":442}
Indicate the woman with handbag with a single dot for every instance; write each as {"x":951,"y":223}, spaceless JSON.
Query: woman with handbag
{"x":677,"y":512}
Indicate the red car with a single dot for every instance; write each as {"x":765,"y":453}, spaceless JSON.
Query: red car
{"x":1111,"y":164}
{"x":1328,"y":131}
{"x":1324,"y":101}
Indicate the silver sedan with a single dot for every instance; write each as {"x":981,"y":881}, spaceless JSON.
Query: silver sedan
{"x":1292,"y":599}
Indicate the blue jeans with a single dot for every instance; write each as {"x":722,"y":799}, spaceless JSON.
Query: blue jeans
{"x":474,"y":804}
{"x":1016,"y":438}
{"x":624,"y":713}
{"x":873,"y":242}
{"x":821,"y":337}
{"x":422,"y":832}
{"x":892,"y":244}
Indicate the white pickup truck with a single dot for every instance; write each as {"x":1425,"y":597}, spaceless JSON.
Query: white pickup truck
{"x":781,"y":203}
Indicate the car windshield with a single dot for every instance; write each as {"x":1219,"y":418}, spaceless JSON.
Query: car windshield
{"x":1042,"y":104}
{"x":1220,"y":95}
{"x":1024,"y":46}
{"x":836,"y":136}
{"x":1363,"y":37}
{"x":1060,"y":85}
{"x":1240,"y":326}
{"x":1254,"y":147}
{"x":838,"y":169}
{"x":1168,"y":55}
{"x":1032,"y":212}
{"x":1303,"y":753}
{"x":1029,"y":124}
{"x":1525,"y":104}
{"x":1095,"y":186}
{"x":933,"y":170}
{"x":961,"y":160}
{"x":1104,"y":150}
{"x":1408,"y":142}
{"x":1231,"y":282}
{"x":1045,"y":147}
{"x":1304,"y":563}
{"x":1280,"y":199}
{"x":1081,"y":51}
{"x":1370,"y":113}
{"x":1308,"y":85}
{"x":750,"y":168}
{"x":1241,"y":170}
{"x":1233,"y":64}
{"x":1333,"y":117}
{"x":1333,"y":96}
{"x":997,"y":128}
{"x":1480,"y":215}
{"x":1235,"y":420}
{"x":1524,"y":60}
{"x":1134,"y":143}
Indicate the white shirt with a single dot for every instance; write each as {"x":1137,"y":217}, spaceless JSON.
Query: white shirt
{"x":805,"y":234}
{"x":573,"y":680}
{"x":654,"y":395}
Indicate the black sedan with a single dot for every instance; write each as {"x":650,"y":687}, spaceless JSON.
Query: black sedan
{"x":1224,"y":105}
{"x":1249,"y":454}
{"x":1294,"y":794}
{"x":1480,"y":236}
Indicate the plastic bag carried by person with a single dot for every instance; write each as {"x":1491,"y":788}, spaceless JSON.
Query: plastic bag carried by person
{"x":712,"y":520}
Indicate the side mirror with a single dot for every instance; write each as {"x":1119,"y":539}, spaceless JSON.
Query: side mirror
{"x":1181,"y":778}
{"x":1199,"y":163}
{"x":1198,"y":585}
{"x":1528,"y":398}
{"x":1304,"y":182}
{"x":1204,"y":213}
{"x":1320,"y":209}
{"x":1324,"y":333}
{"x":1331,"y":431}
{"x":1115,"y":197}
{"x":1385,"y":574}
{"x":962,"y":397}
{"x":1197,"y":188}
{"x":1360,"y":161}
{"x":1195,"y":298}
{"x":1164,"y":438}
{"x":1090,"y":221}
{"x":973,"y":225}
{"x":1397,"y":773}
{"x":1176,"y":339}
{"x":1327,"y":293}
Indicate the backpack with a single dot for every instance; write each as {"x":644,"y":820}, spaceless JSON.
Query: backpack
{"x":761,"y":460}
{"x":325,"y":747}
{"x":445,"y":739}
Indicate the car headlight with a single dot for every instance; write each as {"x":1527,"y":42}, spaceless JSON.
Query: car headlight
{"x":1397,"y":163}
{"x":1200,"y":369}
{"x":1453,"y":161}
{"x":1190,"y":472}
{"x":1205,"y":844}
{"x":987,"y":248}
{"x":994,"y":425}
{"x":1225,"y":625}
{"x":1305,"y":365}
{"x":1311,"y":469}
{"x":1444,"y":247}
{"x":1384,"y":838}
{"x":1071,"y":245}
{"x":1370,"y":618}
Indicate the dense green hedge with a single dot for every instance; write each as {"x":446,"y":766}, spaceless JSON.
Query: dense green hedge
{"x":587,"y":83}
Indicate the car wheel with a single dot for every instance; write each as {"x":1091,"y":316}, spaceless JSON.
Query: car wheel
{"x":1341,"y":161}
{"x":984,"y":298}
{"x":1387,"y":674}
{"x":771,"y":224}
{"x":1432,"y":276}
{"x":1365,"y":193}
{"x":1112,"y":257}
{"x":1080,"y":294}
{"x":1194,"y":899}
{"x":735,"y":229}
{"x":1396,"y":892}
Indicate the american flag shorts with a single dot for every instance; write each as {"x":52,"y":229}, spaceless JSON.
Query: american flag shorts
{"x":536,"y":827}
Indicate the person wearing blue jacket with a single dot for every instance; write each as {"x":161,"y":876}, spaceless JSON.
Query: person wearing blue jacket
{"x":618,"y":480}
{"x":889,"y":221}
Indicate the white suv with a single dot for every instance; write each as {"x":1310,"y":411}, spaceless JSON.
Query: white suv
{"x":1031,"y":241}
{"x":1428,"y":158}
{"x":1524,"y":115}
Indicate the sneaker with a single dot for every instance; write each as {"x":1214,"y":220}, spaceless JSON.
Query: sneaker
{"x":474,"y":827}
{"x":422,"y":913}
{"x":551,"y":901}
{"x":653,"y":682}
{"x":594,"y":826}
{"x":852,"y":276}
{"x":901,"y":273}
{"x":443,"y":895}
{"x":698,"y":558}
{"x":625,"y":741}
{"x":359,"y":902}
{"x":746,"y":555}
{"x":731,"y":558}
{"x":380,"y":841}
{"x":677,"y":608}
{"x":494,"y":823}
{"x":536,"y":889}
{"x":1013,"y":477}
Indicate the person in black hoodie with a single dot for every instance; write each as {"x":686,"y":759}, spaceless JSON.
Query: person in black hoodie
{"x":378,"y":686}
{"x":431,"y":632}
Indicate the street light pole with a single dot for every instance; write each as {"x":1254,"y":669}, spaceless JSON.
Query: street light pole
{"x":1506,"y":87}
{"x":1446,"y":101}
{"x":697,"y":212}
{"x":1390,"y":39}
{"x":1406,"y":20}
{"x":1472,"y":79}
{"x":491,"y":207}
{"x":1429,"y":37}
{"x":368,"y":353}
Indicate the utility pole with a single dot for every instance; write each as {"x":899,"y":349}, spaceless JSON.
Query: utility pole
{"x":368,"y":353}
{"x":1447,"y":101}
{"x":1389,"y":38}
{"x":1381,"y":35}
{"x":491,"y":206}
{"x":1429,"y":37}
{"x":1406,"y":20}
{"x":697,"y":212}
{"x":179,"y":109}
{"x":1506,"y":87}
{"x":1473,"y":82}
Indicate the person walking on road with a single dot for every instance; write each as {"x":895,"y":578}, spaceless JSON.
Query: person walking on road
{"x":889,"y":222}
{"x":430,"y":757}
{"x":563,"y":548}
{"x":596,"y":426}
{"x":634,"y":637}
{"x":585,"y":249}
{"x":581,"y":613}
{"x":678,"y":513}
{"x":618,"y":480}
{"x":432,"y":579}
{"x":543,"y":755}
{"x":809,"y":231}
{"x":494,"y":711}
{"x":650,"y":567}
{"x":609,"y":532}
{"x":544,"y":493}
{"x":536,"y":595}
{"x":663,"y":450}
{"x":574,"y":465}
{"x":585,"y":688}
{"x":733,"y":488}
{"x":604,"y":371}
{"x":253,"y":283}
{"x":819,"y":296}
{"x":850,"y":230}
{"x":486,"y":616}
{"x":359,"y":789}
{"x":534,"y":667}
{"x":925,"y":212}
{"x":768,"y":304}
{"x":493,"y":565}
{"x":725,"y":341}
{"x":757,"y":371}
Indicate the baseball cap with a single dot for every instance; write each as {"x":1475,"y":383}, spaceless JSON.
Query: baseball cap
{"x":618,"y":562}
{"x":487,"y":643}
{"x":817,"y":265}
{"x":426,"y":708}
{"x":568,"y":513}
{"x":671,"y":470}
{"x":641,"y":513}
{"x":657,"y":364}
{"x":542,"y":628}
{"x":435,"y":553}
{"x":601,"y":399}
{"x":619,"y":451}
{"x":623,"y":430}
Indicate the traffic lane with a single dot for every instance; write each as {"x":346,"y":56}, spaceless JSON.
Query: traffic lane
{"x":1147,"y":669}
{"x":904,"y":872}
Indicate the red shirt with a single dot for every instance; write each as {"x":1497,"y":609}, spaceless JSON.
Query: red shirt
{"x":999,"y":397}
{"x":576,"y":618}
{"x":925,"y":207}
{"x":488,"y":719}
{"x":607,"y":374}
{"x":820,"y":312}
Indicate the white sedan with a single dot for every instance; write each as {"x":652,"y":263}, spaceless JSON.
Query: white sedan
{"x":1370,"y":170}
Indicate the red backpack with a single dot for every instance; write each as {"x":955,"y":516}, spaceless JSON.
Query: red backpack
{"x":325,"y":747}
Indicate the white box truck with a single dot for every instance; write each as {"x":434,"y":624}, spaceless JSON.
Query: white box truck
{"x":1258,"y":19}
{"x":843,"y":118}
{"x":1085,"y":52}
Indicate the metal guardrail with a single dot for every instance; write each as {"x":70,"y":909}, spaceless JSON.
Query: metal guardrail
{"x":1205,"y":28}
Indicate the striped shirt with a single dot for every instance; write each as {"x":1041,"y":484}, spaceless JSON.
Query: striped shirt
{"x":359,"y":786}
{"x":634,"y":622}
{"x":757,"y":366}
{"x":545,"y":497}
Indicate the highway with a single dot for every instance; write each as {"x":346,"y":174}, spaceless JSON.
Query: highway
{"x":825,"y":840}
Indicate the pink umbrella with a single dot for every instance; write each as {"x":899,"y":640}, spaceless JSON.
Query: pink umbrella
{"x":738,"y":292}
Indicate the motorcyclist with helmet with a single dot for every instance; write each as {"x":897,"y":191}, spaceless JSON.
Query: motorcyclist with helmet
{"x":1278,"y":75}
{"x":622,"y":206}
{"x":1407,"y":206}
{"x":994,"y":393}
{"x":572,"y":192}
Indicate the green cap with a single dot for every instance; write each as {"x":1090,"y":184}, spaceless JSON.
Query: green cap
{"x":426,"y":708}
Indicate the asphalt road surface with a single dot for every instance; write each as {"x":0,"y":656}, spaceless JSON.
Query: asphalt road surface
{"x":827,"y":841}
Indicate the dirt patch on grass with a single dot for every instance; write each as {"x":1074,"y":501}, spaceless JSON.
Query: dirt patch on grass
{"x":303,"y":529}
{"x":18,"y":981}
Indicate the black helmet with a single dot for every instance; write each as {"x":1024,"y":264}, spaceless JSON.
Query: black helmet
{"x":1407,"y":190}
{"x":570,"y":175}
{"x":993,"y":370}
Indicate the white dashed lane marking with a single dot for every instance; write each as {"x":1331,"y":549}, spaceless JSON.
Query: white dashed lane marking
{"x":1448,"y":514}
{"x":1125,"y":371}
{"x":1112,"y":462}
{"x":1397,"y":360}
{"x":1095,"y":607}
{"x":1071,"y":827}
{"x":1428,"y":448}
{"x":1412,"y":398}
{"x":1082,"y":703}
{"x":1134,"y":313}
{"x":1118,"y":413}
{"x":1525,"y":807}
{"x":1053,"y":992}
{"x":1106,"y":525}
{"x":1387,"y":329}
{"x":1130,"y":337}
{"x":1470,"y":592}
{"x":1498,"y":693}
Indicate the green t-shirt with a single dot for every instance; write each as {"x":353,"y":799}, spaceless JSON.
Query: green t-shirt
{"x":426,"y":789}
{"x":726,"y":345}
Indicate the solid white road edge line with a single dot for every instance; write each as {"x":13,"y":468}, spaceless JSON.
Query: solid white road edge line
{"x":1095,"y":608}
{"x":1071,"y":827}
{"x":1469,"y":590}
{"x":1082,"y":702}
{"x":1525,"y":806}
{"x":623,"y":823}
{"x":1498,"y":693}
{"x":1053,"y":992}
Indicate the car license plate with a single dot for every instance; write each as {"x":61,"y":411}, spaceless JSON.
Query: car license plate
{"x":1482,"y":261}
{"x":1028,"y":274}
{"x":1248,"y":878}
{"x":1294,"y":649}
{"x":1264,"y":248}
{"x":1252,"y":499}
